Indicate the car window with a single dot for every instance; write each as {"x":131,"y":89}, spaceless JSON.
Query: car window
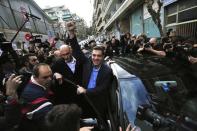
{"x":133,"y":94}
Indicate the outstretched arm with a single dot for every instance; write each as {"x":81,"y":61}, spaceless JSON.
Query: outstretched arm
{"x":72,"y":41}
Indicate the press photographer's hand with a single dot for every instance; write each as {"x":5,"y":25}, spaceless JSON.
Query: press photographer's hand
{"x":12,"y":84}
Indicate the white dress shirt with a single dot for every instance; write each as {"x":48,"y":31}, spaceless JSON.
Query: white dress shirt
{"x":72,"y":64}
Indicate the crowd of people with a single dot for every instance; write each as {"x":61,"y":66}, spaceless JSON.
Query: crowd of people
{"x":170,"y":46}
{"x":49,"y":88}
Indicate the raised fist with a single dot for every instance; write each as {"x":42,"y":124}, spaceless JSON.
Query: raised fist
{"x":71,"y":29}
{"x":70,"y":26}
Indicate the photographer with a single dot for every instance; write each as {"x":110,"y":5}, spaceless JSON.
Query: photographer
{"x":138,"y":43}
{"x":28,"y":62}
{"x":12,"y":115}
{"x":7,"y":67}
{"x":181,"y":50}
{"x":115,"y":44}
{"x":7,"y":50}
{"x":52,"y":57}
{"x":124,"y":41}
{"x":153,"y":48}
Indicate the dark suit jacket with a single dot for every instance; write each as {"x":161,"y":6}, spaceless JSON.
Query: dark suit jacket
{"x":103,"y":80}
{"x":104,"y":76}
{"x":61,"y":67}
{"x":97,"y":95}
{"x":66,"y":93}
{"x":12,"y":117}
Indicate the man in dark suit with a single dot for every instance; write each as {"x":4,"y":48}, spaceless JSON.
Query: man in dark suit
{"x":96,"y":81}
{"x":70,"y":68}
{"x":96,"y":78}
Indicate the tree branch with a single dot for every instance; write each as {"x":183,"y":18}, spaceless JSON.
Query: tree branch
{"x":155,"y":14}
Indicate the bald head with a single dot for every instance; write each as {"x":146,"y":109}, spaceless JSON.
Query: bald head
{"x":43,"y":74}
{"x":64,"y":47}
{"x":66,"y":52}
{"x":57,"y":53}
{"x":153,"y":41}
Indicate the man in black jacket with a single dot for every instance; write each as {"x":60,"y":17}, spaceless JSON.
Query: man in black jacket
{"x":96,"y":78}
{"x":70,"y":68}
{"x":96,"y":81}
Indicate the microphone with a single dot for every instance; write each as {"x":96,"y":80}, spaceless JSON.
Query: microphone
{"x":32,"y":16}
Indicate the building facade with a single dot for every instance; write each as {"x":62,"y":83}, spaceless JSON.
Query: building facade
{"x":181,"y":16}
{"x":116,"y":17}
{"x":12,"y":17}
{"x":59,"y":15}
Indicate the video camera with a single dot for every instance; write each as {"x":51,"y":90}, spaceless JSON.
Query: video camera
{"x":167,"y":123}
{"x":5,"y":46}
{"x":183,"y":51}
{"x":147,"y":45}
{"x":145,"y":112}
{"x":168,"y":46}
{"x":144,"y":44}
{"x":164,"y":112}
{"x":37,"y":39}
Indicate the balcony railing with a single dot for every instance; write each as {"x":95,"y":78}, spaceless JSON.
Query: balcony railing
{"x":107,"y":8}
